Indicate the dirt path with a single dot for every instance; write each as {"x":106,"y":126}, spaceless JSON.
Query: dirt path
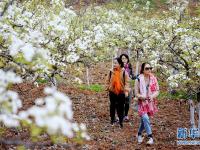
{"x":93,"y":111}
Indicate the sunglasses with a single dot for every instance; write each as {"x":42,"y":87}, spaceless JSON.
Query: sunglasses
{"x":148,"y":68}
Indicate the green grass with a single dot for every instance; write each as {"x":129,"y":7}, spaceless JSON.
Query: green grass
{"x":92,"y":87}
{"x":143,"y":2}
{"x":179,"y":94}
{"x":165,"y":94}
{"x":162,"y":83}
{"x":41,"y":81}
{"x":163,"y":1}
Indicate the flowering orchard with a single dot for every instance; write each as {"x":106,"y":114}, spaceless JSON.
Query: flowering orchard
{"x":30,"y":36}
{"x":41,"y":38}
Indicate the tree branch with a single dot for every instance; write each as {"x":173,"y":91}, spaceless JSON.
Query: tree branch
{"x":185,"y":64}
{"x":6,"y":7}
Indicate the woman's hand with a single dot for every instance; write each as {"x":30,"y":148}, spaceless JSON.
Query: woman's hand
{"x":126,"y":94}
{"x":151,"y":98}
{"x":143,"y":97}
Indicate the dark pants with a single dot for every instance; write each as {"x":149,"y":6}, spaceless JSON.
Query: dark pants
{"x":127,"y":103}
{"x":117,"y":103}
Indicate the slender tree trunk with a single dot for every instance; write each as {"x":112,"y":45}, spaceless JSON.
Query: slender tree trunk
{"x":115,"y":52}
{"x":135,"y":107}
{"x":54,"y":81}
{"x":137,"y":68}
{"x":119,"y":52}
{"x":129,"y":52}
{"x":199,"y":115}
{"x":87,"y":76}
{"x":198,"y":99}
{"x":192,"y":109}
{"x":112,"y":61}
{"x":136,"y":73}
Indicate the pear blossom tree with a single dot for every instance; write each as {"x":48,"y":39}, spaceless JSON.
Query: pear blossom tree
{"x":174,"y":46}
{"x":45,"y":39}
{"x":27,"y":45}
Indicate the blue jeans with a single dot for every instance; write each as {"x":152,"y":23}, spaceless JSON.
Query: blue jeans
{"x":145,"y":124}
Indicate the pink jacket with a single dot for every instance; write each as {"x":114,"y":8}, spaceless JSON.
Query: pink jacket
{"x":147,"y":106}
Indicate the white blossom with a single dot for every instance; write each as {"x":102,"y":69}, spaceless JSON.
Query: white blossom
{"x":28,"y":51}
{"x":9,"y":120}
{"x":72,"y":57}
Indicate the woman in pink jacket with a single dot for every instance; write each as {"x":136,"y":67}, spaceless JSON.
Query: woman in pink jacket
{"x":146,"y":91}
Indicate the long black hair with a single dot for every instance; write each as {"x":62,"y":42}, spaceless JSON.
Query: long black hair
{"x":128,"y":62}
{"x":142,"y":67}
{"x":125,"y":55}
{"x":131,"y":73}
{"x":119,"y":60}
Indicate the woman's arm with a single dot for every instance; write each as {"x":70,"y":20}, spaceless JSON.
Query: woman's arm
{"x":137,"y":93}
{"x":127,"y":84}
{"x":156,"y":93}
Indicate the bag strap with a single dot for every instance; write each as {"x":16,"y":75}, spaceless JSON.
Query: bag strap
{"x":124,"y":77}
{"x":110,"y":73}
{"x":137,"y":78}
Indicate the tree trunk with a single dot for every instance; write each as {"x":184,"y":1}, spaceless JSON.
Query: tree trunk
{"x":129,"y":52}
{"x":112,"y":61}
{"x":53,"y":81}
{"x":192,"y":109}
{"x":137,"y":68}
{"x":119,"y":52}
{"x":198,"y":99}
{"x":136,"y":72}
{"x":87,"y":76}
{"x":199,"y":115}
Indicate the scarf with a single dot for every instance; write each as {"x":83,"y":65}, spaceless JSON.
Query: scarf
{"x":144,"y":91}
{"x":127,"y":69}
{"x":116,"y":82}
{"x":148,"y":106}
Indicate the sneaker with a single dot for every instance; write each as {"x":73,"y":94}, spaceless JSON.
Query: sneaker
{"x":112,"y":123}
{"x":121,"y":125}
{"x":117,"y":120}
{"x":126,"y":119}
{"x":140,"y":139}
{"x":150,"y":141}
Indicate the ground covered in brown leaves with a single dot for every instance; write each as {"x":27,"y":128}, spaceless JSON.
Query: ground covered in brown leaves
{"x":92,"y":108}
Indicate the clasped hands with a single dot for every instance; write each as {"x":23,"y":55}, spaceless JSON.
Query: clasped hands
{"x":149,"y":98}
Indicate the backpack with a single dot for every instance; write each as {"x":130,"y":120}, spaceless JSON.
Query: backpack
{"x":137,"y":77}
